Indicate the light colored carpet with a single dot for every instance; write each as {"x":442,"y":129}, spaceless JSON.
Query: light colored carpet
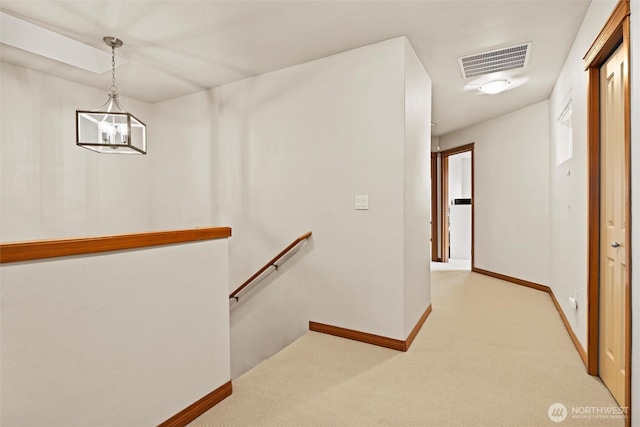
{"x":490,"y":354}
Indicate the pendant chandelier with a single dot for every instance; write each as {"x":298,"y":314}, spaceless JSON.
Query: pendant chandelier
{"x":110,"y":129}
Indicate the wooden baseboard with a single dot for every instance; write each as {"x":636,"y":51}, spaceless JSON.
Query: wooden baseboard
{"x":368,"y":338}
{"x":517,"y":281}
{"x":547,"y":289}
{"x":567,"y":325}
{"x":358,"y":336}
{"x":416,"y":329}
{"x":198,"y":408}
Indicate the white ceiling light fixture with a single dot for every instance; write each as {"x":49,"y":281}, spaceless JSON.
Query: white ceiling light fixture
{"x":495,"y":86}
{"x":110,"y":129}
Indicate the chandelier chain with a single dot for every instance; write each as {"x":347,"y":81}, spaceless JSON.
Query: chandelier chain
{"x":113,"y":88}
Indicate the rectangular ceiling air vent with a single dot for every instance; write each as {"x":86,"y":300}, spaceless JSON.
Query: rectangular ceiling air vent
{"x":508,"y":58}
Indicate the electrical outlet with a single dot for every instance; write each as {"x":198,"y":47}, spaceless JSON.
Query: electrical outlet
{"x":573,"y":301}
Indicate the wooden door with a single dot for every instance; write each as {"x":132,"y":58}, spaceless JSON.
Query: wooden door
{"x":613,"y":226}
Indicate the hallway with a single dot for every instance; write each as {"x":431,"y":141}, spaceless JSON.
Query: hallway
{"x":491,"y":353}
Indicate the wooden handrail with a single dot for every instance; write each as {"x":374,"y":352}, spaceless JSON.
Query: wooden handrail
{"x":271,"y":263}
{"x":24,"y":251}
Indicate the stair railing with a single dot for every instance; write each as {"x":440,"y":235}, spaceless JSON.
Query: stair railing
{"x":272,"y":263}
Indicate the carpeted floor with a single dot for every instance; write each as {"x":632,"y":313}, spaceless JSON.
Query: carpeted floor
{"x":490,"y":354}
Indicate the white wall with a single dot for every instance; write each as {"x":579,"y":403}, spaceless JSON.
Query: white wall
{"x":435,"y":143}
{"x":635,"y":209}
{"x":184,"y":161}
{"x":455,"y":178}
{"x":460,"y":231}
{"x":50,"y":187}
{"x":459,"y":176}
{"x":511,"y":192}
{"x":569,"y":180}
{"x":296,"y":146}
{"x":87,"y":344}
{"x":466,"y":176}
{"x":417,"y":190}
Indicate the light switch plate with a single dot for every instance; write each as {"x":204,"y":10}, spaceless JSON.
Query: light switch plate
{"x":362,"y":202}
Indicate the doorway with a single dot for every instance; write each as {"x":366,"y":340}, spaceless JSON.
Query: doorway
{"x":459,"y":206}
{"x":452,"y":205}
{"x":609,"y":144}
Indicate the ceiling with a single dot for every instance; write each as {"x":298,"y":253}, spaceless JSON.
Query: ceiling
{"x":174,"y":48}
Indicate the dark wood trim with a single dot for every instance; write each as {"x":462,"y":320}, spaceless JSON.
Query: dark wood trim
{"x":444,"y":196}
{"x":444,"y":208}
{"x":198,"y":408}
{"x":626,"y":43}
{"x":615,"y":32}
{"x":372,"y":339}
{"x":31,"y":250}
{"x":593,"y":215}
{"x":434,"y":207}
{"x":458,"y":150}
{"x":567,"y":325}
{"x":515,"y":280}
{"x":609,"y":38}
{"x":417,"y":327}
{"x":547,"y":289}
{"x":358,"y":336}
{"x":271,"y":263}
{"x":473,"y":206}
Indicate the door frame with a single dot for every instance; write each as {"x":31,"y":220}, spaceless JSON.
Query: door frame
{"x":615,"y":33}
{"x":439,"y":204}
{"x":434,"y":208}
